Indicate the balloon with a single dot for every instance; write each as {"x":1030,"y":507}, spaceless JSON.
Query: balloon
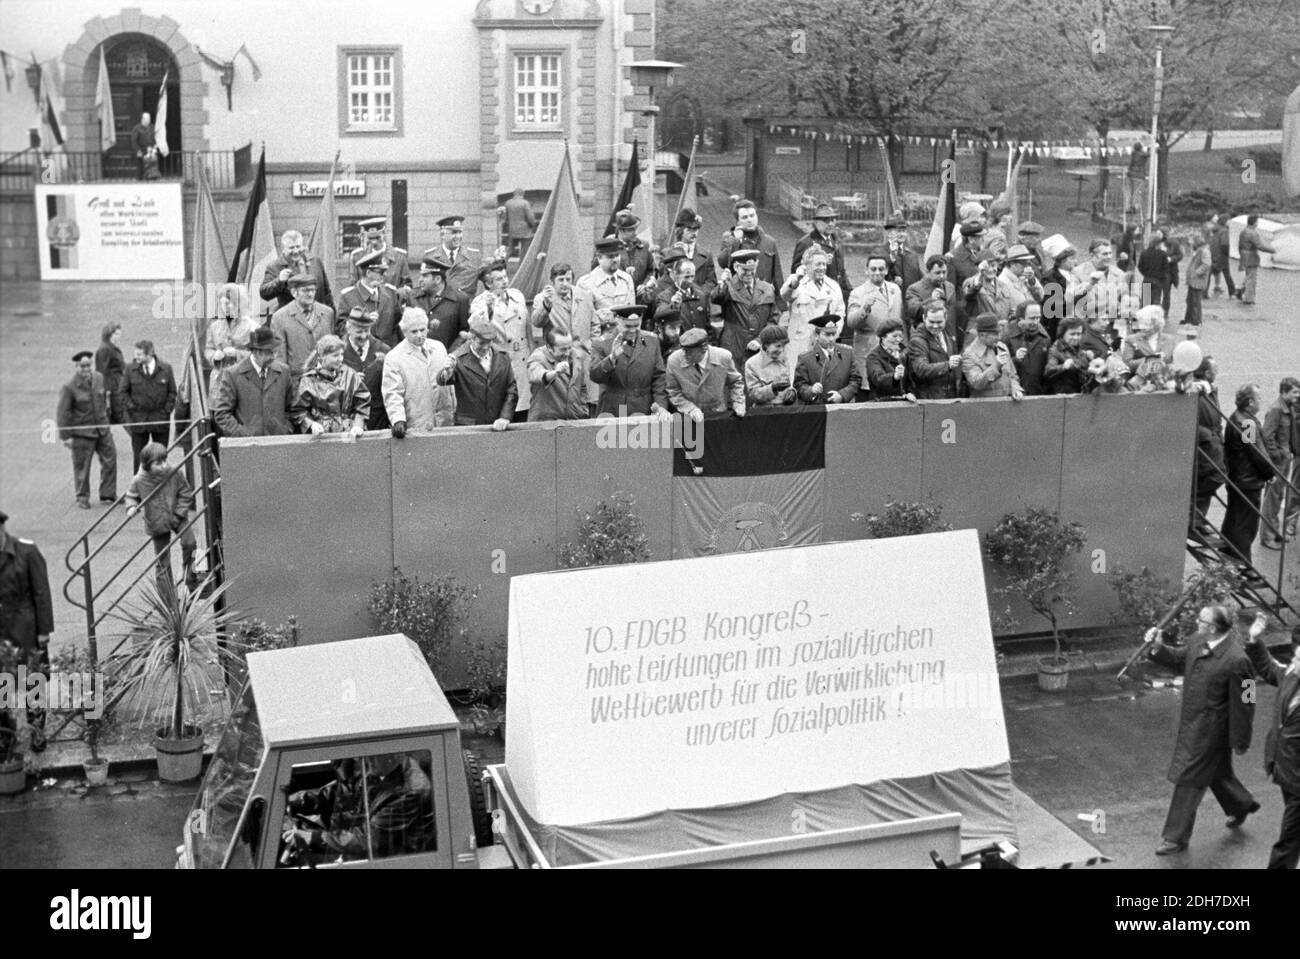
{"x":1187,"y":356}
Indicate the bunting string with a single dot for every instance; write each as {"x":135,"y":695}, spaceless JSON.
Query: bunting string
{"x":1078,"y":148}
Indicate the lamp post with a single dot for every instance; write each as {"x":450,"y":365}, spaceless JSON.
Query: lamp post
{"x":1161,"y":32}
{"x":652,"y":73}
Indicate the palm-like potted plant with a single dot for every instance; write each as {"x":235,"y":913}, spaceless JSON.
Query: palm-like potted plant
{"x":1031,"y":550}
{"x":185,"y":645}
{"x":13,"y":778}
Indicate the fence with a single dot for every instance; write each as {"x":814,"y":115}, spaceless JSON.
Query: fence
{"x":225,"y":169}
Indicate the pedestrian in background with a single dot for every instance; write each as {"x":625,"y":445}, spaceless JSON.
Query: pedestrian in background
{"x":148,"y":394}
{"x":1199,"y":267}
{"x":111,"y":364}
{"x":1220,"y":256}
{"x":1249,"y":245}
{"x":82,"y":419}
{"x":1250,"y":454}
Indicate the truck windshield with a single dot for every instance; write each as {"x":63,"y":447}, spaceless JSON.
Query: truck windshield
{"x":215,"y":826}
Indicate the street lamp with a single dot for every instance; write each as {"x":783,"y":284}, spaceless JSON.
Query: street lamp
{"x":1161,"y":33}
{"x":651,"y":74}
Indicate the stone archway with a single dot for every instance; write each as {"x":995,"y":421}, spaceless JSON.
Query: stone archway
{"x":81,"y":71}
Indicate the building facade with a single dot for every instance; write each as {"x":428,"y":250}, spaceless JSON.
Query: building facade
{"x":432,"y":109}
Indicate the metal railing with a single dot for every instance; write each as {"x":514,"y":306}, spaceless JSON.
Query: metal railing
{"x":225,"y":169}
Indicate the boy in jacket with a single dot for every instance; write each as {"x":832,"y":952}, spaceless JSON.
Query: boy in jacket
{"x":167,"y":501}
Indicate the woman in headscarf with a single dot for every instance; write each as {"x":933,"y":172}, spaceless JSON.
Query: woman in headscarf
{"x":331,"y":396}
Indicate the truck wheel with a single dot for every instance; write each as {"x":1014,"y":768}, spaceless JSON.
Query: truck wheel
{"x":477,"y":805}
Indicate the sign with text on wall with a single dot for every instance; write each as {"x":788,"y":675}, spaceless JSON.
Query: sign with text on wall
{"x":111,"y":231}
{"x":783,"y":670}
{"x":314,"y":189}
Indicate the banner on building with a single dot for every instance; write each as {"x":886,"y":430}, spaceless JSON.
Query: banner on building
{"x":111,"y":231}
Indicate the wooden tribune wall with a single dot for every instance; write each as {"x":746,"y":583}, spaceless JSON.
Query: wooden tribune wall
{"x":310,"y":524}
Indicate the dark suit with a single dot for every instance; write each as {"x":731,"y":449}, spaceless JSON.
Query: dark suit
{"x":837,"y":371}
{"x":769,"y":259}
{"x":1282,"y":751}
{"x":465,"y":267}
{"x":248,"y":406}
{"x":450,"y":310}
{"x":372,"y":374}
{"x":905,"y":270}
{"x":927,"y":364}
{"x":744,"y":314}
{"x":1250,"y":467}
{"x":634,"y":380}
{"x":383,"y":301}
{"x":482,"y":396}
{"x":1215,"y":719}
{"x":694,"y":308}
{"x":147,"y":402}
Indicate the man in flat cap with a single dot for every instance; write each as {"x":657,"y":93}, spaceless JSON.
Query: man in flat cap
{"x":1030,"y":235}
{"x":902,"y":264}
{"x":397,"y":272}
{"x":630,"y":368}
{"x":466,"y":262}
{"x":84,"y":428}
{"x":413,"y":396}
{"x":486,"y":392}
{"x":701,"y":379}
{"x":682,"y":294}
{"x":829,"y":372}
{"x":823,"y":234}
{"x":255,"y":395}
{"x":448,"y":307}
{"x":293,"y":261}
{"x":376,"y":296}
{"x":963,"y":262}
{"x":748,"y":235}
{"x":300,"y":325}
{"x":365,"y":354}
{"x":748,"y":306}
{"x":26,"y":615}
{"x":987,"y":363}
{"x":686,"y":234}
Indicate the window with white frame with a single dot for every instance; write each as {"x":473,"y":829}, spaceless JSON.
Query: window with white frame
{"x":537,"y":91}
{"x":371,"y":91}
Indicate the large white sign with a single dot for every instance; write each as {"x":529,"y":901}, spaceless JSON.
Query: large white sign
{"x":111,"y":231}
{"x":701,"y":682}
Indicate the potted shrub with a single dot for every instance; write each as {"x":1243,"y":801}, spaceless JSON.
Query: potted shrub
{"x":1031,"y":551}
{"x":431,"y":612}
{"x":189,"y":645}
{"x":608,"y":535}
{"x":487,"y":687}
{"x":903,"y":519}
{"x":71,"y":660}
{"x":13,"y":777}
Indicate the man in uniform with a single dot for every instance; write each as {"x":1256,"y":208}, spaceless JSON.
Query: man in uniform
{"x":466,"y":263}
{"x":397,"y":272}
{"x":26,"y":614}
{"x":630,"y":367}
{"x":748,"y":235}
{"x":823,"y":234}
{"x":292,"y":261}
{"x":829,"y":372}
{"x":748,"y":305}
{"x":84,"y":428}
{"x":365,"y":354}
{"x":300,"y":325}
{"x":448,"y":307}
{"x":686,"y":235}
{"x":376,"y":296}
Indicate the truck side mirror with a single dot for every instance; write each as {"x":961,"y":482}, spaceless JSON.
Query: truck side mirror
{"x":251,"y":832}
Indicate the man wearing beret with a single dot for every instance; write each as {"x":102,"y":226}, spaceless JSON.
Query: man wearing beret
{"x":293,"y":260}
{"x":466,"y":261}
{"x":26,"y":615}
{"x":254,"y":396}
{"x":84,"y":428}
{"x":365,"y":354}
{"x":448,"y":307}
{"x":702,"y":379}
{"x":748,"y":235}
{"x":686,"y":234}
{"x":829,"y":372}
{"x":902,"y":265}
{"x":987,"y":364}
{"x":748,"y":305}
{"x":486,"y":392}
{"x":630,"y":368}
{"x":376,"y":297}
{"x":300,"y":325}
{"x":823,"y":234}
{"x":397,"y":272}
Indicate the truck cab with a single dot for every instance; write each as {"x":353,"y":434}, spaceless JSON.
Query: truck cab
{"x":340,"y":755}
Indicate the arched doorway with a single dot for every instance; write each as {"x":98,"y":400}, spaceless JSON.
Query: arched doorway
{"x":136,"y":66}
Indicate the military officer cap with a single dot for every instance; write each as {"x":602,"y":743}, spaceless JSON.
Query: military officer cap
{"x":82,"y":355}
{"x":1018,"y":252}
{"x":375,"y":259}
{"x":826,"y":319}
{"x":608,"y":244}
{"x":483,"y":329}
{"x":636,"y":309}
{"x":626,"y":219}
{"x":895,"y":222}
{"x":1030,"y":228}
{"x":689,"y":219}
{"x":451,"y":222}
{"x":432,"y":263}
{"x":972,"y":229}
{"x":673,"y":254}
{"x":986,"y":323}
{"x":825,"y":211}
{"x":374,"y":224}
{"x":738,"y":256}
{"x":694,"y":337}
{"x":360,"y":317}
{"x":303,"y":279}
